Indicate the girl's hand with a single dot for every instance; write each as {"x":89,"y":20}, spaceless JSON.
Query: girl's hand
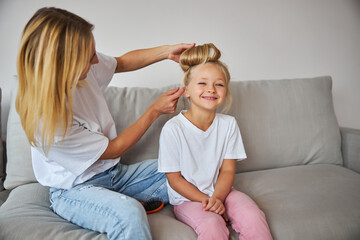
{"x":176,"y":50}
{"x":167,"y":102}
{"x":214,"y":205}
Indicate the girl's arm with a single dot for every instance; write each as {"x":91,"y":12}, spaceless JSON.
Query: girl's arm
{"x":184,"y":188}
{"x":222,"y":188}
{"x":166,"y":103}
{"x":143,"y":57}
{"x":226,"y":179}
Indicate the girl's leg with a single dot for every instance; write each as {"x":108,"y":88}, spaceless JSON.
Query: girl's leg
{"x":102,"y":210}
{"x":207,"y":225}
{"x":246,"y":218}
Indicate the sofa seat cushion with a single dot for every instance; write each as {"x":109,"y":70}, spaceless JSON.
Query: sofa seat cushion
{"x":306,"y":202}
{"x":26,"y":215}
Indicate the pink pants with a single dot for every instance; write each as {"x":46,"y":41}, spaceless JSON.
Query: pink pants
{"x":243,"y":213}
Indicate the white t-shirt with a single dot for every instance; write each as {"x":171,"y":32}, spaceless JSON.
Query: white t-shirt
{"x":74,"y":159}
{"x":198,"y":154}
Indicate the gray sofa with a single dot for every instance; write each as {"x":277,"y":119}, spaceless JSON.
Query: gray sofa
{"x":302,"y":169}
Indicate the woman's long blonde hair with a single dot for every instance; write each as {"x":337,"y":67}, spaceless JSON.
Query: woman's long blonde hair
{"x":202,"y":54}
{"x":55,"y":49}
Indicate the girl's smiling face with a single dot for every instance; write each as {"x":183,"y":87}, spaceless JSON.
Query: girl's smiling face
{"x":207,"y":87}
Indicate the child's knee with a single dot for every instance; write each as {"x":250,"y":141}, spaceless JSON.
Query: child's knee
{"x":251,"y":223}
{"x":213,"y":228}
{"x":250,"y":214}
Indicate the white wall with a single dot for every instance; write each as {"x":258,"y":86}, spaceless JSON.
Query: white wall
{"x":260,"y":39}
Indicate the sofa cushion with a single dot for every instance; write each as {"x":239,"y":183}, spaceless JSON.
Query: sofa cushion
{"x":286,"y":123}
{"x":306,"y":202}
{"x":27,"y":215}
{"x":18,"y":167}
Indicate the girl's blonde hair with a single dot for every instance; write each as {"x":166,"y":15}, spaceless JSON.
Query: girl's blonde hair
{"x":202,"y":54}
{"x":55,"y":50}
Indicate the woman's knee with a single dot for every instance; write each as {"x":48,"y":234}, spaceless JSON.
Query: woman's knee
{"x":128,"y":220}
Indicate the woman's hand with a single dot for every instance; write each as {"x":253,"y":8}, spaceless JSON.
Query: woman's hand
{"x":167,"y":102}
{"x":176,"y":50}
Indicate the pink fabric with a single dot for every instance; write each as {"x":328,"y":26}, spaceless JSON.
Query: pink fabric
{"x":244,"y":215}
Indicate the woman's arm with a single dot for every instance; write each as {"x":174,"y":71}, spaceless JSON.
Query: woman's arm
{"x":143,"y":57}
{"x":184,"y":188}
{"x":166,"y":103}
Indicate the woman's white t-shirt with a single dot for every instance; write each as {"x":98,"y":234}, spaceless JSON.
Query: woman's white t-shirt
{"x":74,"y":159}
{"x":197,"y":154}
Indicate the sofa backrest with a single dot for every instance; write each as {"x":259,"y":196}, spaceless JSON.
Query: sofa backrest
{"x":286,"y":122}
{"x":282,"y":122}
{"x":18,"y":167}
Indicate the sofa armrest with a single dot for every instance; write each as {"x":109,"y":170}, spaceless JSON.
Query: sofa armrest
{"x":350,"y":148}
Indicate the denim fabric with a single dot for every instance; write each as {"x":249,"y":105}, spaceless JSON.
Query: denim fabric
{"x":107,"y":203}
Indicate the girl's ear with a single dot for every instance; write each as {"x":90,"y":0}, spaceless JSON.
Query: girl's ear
{"x":186,"y":93}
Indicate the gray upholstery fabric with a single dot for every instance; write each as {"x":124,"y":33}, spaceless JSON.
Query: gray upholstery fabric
{"x":26,"y":215}
{"x":350,"y":142}
{"x":319,"y":201}
{"x":286,"y":123}
{"x":18,"y":167}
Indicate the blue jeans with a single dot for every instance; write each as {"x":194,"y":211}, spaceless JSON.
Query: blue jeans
{"x":109,"y":201}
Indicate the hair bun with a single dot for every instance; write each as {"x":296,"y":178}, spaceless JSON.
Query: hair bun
{"x":199,"y":55}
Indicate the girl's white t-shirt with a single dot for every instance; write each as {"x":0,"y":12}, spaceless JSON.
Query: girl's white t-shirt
{"x":197,"y":154}
{"x":74,"y":159}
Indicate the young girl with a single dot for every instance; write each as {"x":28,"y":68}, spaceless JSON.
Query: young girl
{"x":198,"y":152}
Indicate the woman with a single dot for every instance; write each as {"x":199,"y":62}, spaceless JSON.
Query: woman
{"x":75,"y":147}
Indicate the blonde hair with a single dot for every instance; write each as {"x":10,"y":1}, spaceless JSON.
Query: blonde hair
{"x":203,"y":54}
{"x":54,"y":51}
